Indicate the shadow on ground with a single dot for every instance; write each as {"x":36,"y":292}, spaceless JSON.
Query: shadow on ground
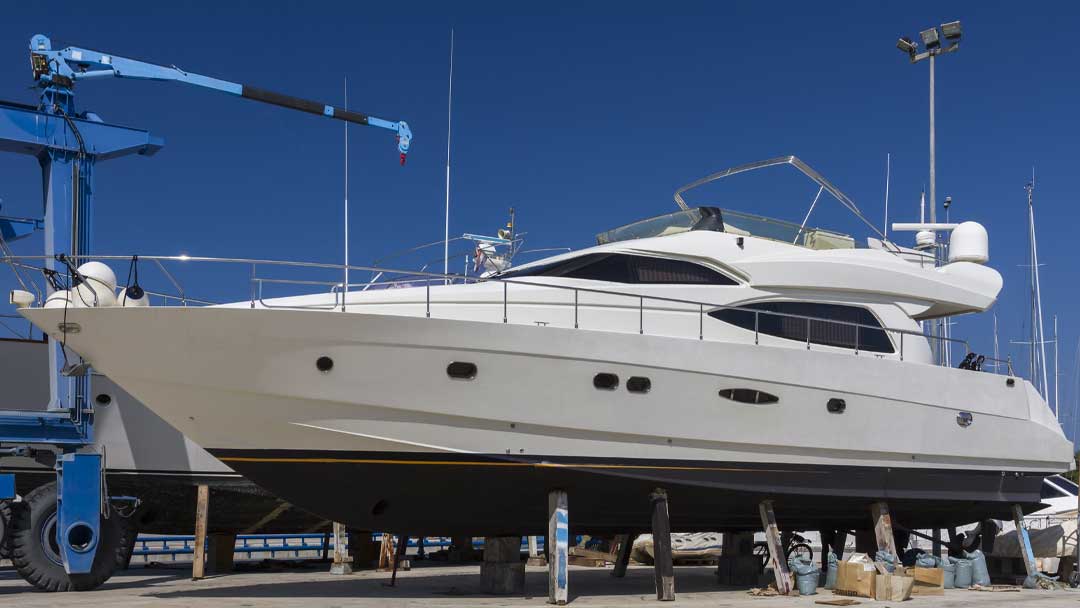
{"x":428,"y":582}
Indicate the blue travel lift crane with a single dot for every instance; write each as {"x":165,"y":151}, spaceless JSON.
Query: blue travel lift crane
{"x":68,"y":145}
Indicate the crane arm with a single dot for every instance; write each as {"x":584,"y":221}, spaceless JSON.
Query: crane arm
{"x":61,"y":68}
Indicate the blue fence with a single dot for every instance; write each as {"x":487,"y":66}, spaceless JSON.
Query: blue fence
{"x":287,"y":546}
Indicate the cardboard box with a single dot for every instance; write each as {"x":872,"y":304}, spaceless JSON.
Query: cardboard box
{"x":894,"y":587}
{"x":928,"y":581}
{"x":855,"y":576}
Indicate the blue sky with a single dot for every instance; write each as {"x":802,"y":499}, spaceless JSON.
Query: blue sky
{"x":582,"y":116}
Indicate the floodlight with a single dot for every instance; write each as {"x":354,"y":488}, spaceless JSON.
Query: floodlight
{"x":907,"y":45}
{"x":951,"y":30}
{"x":930,"y":38}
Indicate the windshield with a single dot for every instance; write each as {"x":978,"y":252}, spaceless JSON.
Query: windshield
{"x":670,"y":223}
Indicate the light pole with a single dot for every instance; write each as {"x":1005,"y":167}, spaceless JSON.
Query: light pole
{"x":931,"y":40}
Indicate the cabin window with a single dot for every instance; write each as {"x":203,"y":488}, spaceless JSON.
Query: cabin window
{"x":1049,"y":490}
{"x":605,"y":381}
{"x":830,"y":325}
{"x":461,"y":370}
{"x":749,"y":395}
{"x":626,"y":268}
{"x":639,"y":384}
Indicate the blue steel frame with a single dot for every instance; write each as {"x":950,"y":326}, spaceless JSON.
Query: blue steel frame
{"x":67,"y":146}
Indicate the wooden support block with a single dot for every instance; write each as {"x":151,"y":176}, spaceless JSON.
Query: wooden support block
{"x":663,"y":564}
{"x":533,"y":550}
{"x":625,"y":544}
{"x":202,"y":507}
{"x":219,"y":557}
{"x":502,"y":572}
{"x":342,"y":563}
{"x":776,"y":550}
{"x":558,"y":548}
{"x":883,"y":529}
{"x":1025,"y":542}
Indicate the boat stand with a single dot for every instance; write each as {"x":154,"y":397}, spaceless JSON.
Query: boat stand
{"x":883,"y":529}
{"x":1025,"y":542}
{"x":558,"y":548}
{"x":403,"y":544}
{"x":663,"y":564}
{"x":202,"y":510}
{"x":625,"y":544}
{"x":342,"y":563}
{"x":776,"y":549}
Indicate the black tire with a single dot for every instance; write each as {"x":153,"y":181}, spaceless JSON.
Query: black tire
{"x":34,"y":551}
{"x":802,"y":550}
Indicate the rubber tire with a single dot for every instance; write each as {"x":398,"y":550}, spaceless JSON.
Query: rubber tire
{"x":27,"y":519}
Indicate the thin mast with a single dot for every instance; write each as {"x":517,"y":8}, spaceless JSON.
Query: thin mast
{"x":449,"y":101}
{"x":888,"y":171}
{"x":1057,"y":371}
{"x":345,"y":283}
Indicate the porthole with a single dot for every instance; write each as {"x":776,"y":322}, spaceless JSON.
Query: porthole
{"x":748,"y":395}
{"x":103,"y":399}
{"x":379,"y":507}
{"x":324,"y":364}
{"x":639,"y":384}
{"x":836,"y":406}
{"x":606,"y":381}
{"x":461,"y":370}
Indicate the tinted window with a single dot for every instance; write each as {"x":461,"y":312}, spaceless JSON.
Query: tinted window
{"x":823,"y":332}
{"x":1049,"y":491}
{"x":625,"y":268}
{"x":748,"y":395}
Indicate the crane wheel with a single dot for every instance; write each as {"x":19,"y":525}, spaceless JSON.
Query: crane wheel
{"x":35,"y":551}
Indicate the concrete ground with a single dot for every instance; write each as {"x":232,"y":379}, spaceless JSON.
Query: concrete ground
{"x":442,"y":585}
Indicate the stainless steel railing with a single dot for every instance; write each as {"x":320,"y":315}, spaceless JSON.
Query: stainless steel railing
{"x":414,"y":278}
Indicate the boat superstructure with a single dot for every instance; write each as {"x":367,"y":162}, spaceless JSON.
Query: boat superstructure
{"x":720,"y":355}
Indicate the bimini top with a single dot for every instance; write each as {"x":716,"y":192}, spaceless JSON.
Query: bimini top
{"x":748,"y":224}
{"x":733,"y":222}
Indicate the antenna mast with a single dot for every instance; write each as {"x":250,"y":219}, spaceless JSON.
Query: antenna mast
{"x":449,"y":101}
{"x":345,"y":280}
{"x":888,"y":171}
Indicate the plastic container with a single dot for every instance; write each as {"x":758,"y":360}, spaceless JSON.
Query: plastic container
{"x":948,"y":568}
{"x":964,"y":573}
{"x":980,"y":574}
{"x":806,"y":576}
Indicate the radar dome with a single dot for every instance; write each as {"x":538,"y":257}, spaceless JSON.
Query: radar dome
{"x":969,"y":243}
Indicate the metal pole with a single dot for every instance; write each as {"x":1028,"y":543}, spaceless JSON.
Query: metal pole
{"x":933,"y":172}
{"x":449,"y":99}
{"x":345,"y":283}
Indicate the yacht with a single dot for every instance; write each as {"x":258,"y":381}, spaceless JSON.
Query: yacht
{"x":723,"y":356}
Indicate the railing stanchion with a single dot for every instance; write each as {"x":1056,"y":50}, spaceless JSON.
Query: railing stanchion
{"x":901,"y":346}
{"x":701,"y":322}
{"x":504,"y":300}
{"x":856,"y":339}
{"x":641,"y":314}
{"x":808,"y":334}
{"x":575,"y":309}
{"x":757,"y":318}
{"x":427,"y":297}
{"x":253,"y":285}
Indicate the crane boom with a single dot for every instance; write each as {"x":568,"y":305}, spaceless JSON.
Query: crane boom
{"x":61,"y":68}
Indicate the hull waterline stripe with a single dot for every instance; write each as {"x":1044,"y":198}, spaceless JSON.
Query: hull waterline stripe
{"x":553,"y":465}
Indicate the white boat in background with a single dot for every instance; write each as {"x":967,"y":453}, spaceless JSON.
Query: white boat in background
{"x":724,"y":356}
